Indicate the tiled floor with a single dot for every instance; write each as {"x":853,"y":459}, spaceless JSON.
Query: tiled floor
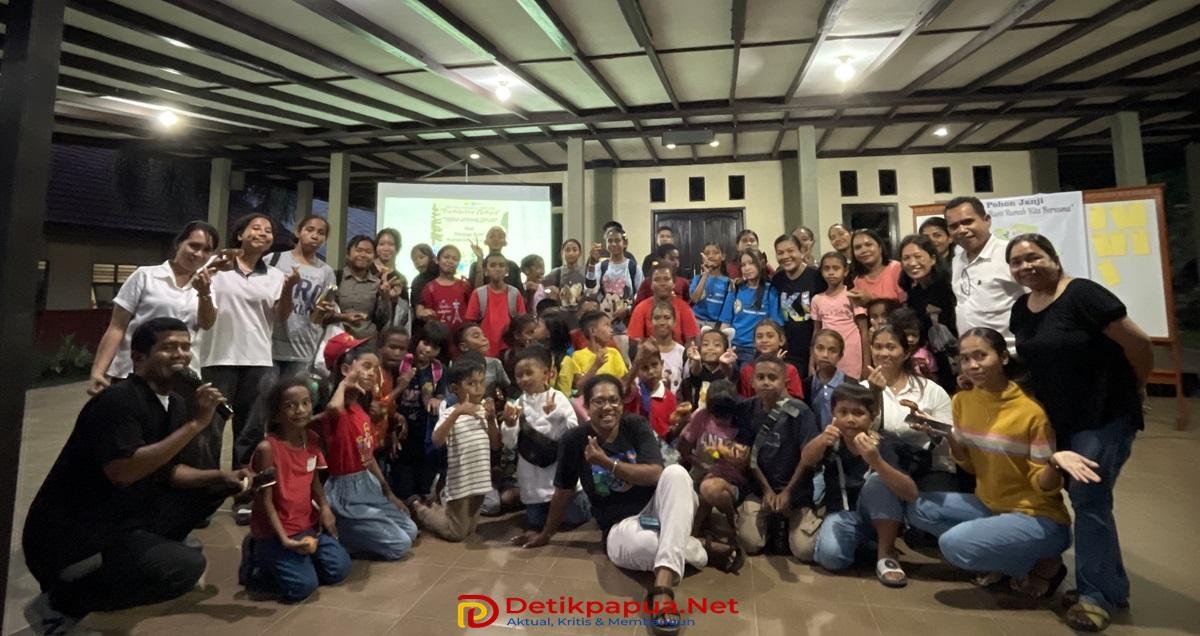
{"x":1158,"y":512}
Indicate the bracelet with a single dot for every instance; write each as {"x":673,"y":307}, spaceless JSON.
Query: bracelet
{"x":205,"y":296}
{"x":613,"y":470}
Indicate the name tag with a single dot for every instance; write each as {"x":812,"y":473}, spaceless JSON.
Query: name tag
{"x":312,"y":464}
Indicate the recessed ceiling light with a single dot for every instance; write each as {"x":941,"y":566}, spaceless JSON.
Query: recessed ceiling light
{"x":941,"y":132}
{"x":844,"y":71}
{"x":714,"y":143}
{"x":179,"y":43}
{"x":167,"y":119}
{"x":503,"y":92}
{"x":670,"y":146}
{"x":474,"y":155}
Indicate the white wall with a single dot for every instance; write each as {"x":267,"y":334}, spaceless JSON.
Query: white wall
{"x":71,"y":267}
{"x":1011,"y":176}
{"x":763,"y":203}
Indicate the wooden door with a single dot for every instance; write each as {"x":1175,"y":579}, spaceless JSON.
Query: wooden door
{"x":694,"y":228}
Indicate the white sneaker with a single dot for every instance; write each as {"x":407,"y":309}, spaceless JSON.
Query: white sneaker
{"x":44,"y":619}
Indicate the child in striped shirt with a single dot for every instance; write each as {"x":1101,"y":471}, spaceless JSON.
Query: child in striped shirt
{"x":469,"y":432}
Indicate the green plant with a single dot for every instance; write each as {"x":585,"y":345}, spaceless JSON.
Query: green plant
{"x":71,"y":358}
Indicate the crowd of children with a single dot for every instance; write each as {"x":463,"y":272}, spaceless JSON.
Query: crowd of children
{"x":807,"y":418}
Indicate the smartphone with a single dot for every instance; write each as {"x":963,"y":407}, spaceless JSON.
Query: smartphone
{"x":940,"y":429}
{"x":264,"y":479}
{"x":649,"y":522}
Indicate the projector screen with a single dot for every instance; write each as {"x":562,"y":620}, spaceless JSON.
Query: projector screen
{"x":457,"y":213}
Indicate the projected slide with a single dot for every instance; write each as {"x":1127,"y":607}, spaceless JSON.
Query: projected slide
{"x":456,"y":214}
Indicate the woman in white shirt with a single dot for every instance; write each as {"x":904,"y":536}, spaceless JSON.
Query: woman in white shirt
{"x":178,"y":288}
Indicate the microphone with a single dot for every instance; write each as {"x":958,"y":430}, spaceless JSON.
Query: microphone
{"x":186,"y":383}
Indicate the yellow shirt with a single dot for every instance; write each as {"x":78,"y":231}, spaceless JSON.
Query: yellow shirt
{"x":1009,"y":441}
{"x":583,"y":359}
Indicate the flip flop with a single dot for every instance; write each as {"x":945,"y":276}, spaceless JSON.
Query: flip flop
{"x":731,"y":561}
{"x":1086,"y":617}
{"x":663,"y":623}
{"x":1071,"y":597}
{"x":889,"y":566}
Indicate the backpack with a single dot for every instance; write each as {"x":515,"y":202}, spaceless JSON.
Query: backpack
{"x":482,"y":295}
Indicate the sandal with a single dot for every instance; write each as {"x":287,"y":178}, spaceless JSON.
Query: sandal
{"x":1071,"y":597}
{"x":730,"y":561}
{"x":988,"y":579}
{"x":663,"y":622}
{"x":1086,"y":617}
{"x":1031,"y":585}
{"x":889,"y":572}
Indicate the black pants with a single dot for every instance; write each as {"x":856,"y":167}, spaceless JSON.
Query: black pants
{"x":242,"y":386}
{"x":135,"y":567}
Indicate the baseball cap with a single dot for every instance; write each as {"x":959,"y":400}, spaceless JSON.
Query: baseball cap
{"x":338,"y":346}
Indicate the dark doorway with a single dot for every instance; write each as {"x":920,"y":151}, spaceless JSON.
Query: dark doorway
{"x":694,"y":228}
{"x":881,"y":217}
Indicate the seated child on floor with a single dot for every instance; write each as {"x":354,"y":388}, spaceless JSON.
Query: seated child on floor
{"x":469,"y":433}
{"x":715,"y":447}
{"x":292,"y":546}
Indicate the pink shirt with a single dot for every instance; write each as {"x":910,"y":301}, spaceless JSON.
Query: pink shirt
{"x":885,"y":285}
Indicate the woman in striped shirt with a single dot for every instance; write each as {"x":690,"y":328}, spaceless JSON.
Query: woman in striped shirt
{"x":1015,"y":524}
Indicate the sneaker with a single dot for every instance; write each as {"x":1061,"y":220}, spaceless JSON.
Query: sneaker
{"x":44,"y":619}
{"x":193,"y":543}
{"x":241,"y":514}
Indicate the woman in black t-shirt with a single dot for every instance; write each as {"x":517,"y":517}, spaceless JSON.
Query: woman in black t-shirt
{"x":645,"y":510}
{"x":926,"y":280}
{"x":1088,"y":363}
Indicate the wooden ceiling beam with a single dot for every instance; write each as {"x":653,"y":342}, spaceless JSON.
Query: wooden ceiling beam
{"x":829,"y":16}
{"x":636,"y":20}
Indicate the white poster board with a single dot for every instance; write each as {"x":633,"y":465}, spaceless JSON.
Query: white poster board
{"x":1058,"y":216}
{"x":1126,"y":257}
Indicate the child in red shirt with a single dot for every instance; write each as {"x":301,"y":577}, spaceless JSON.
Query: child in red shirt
{"x":646,"y":394}
{"x":444,"y":299}
{"x":292,"y":545}
{"x":768,"y":341}
{"x":494,"y":305}
{"x":373,"y":521}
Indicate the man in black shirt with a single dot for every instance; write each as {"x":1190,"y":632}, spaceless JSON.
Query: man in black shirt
{"x":645,"y":511}
{"x":105,"y":530}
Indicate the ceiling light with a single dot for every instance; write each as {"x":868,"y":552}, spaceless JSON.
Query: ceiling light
{"x":941,"y":132}
{"x":167,"y":119}
{"x":844,"y":72}
{"x":714,"y":143}
{"x":474,"y":155}
{"x":670,"y":146}
{"x":179,"y":43}
{"x":503,"y":92}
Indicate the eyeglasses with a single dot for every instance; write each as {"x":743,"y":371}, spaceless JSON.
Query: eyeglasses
{"x":605,"y":401}
{"x":964,"y":284}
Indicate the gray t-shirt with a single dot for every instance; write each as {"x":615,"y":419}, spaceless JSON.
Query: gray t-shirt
{"x":299,"y":340}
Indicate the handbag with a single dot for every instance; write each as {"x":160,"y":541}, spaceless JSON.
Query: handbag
{"x":535,"y":446}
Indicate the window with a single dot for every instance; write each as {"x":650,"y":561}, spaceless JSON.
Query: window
{"x":941,"y":180}
{"x":658,"y":190}
{"x":737,"y":187}
{"x":106,"y":280}
{"x":887,"y":182}
{"x":982,"y":176}
{"x":695,"y":188}
{"x":849,"y":180}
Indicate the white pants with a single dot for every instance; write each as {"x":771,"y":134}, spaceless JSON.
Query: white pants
{"x":633,"y":547}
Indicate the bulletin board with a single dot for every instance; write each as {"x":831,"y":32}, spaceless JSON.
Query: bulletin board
{"x":1125,"y":237}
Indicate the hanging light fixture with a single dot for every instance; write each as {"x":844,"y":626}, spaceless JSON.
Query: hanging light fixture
{"x":844,"y":71}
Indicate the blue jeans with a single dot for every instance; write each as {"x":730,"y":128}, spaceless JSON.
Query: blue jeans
{"x":298,"y":575}
{"x":368,"y":524}
{"x":974,"y":538}
{"x":578,"y":512}
{"x":844,"y":532}
{"x":1099,"y":571}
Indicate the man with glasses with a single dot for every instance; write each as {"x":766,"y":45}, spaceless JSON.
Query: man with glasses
{"x":983,"y":286}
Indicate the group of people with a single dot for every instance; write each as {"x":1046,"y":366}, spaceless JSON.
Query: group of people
{"x":823,"y":407}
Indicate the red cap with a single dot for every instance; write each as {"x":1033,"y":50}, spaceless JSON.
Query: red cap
{"x":339,"y":345}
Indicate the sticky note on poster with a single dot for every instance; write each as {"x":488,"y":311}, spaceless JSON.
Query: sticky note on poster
{"x":1098,"y":218}
{"x":1109,"y":273}
{"x":1141,"y":243}
{"x":1128,"y":216}
{"x":1107,"y":245}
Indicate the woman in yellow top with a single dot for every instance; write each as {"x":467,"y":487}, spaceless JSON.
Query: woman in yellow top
{"x":1016,"y":523}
